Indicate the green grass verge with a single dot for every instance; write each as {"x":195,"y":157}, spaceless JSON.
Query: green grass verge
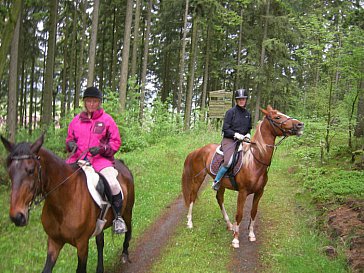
{"x":291,"y":243}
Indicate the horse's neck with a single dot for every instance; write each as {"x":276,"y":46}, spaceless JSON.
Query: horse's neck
{"x":54,"y":170}
{"x":264,"y":138}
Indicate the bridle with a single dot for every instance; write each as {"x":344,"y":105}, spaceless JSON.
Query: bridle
{"x":279,"y":125}
{"x":38,"y":195}
{"x":276,"y":125}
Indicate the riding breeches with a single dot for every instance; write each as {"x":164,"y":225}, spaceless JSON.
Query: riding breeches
{"x":110,"y":173}
{"x":228,"y":148}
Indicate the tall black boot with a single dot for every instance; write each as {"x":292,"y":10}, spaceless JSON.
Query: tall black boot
{"x":118,"y":223}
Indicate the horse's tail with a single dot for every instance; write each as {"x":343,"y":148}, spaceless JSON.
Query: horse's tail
{"x":194,"y":173}
{"x":187,"y":180}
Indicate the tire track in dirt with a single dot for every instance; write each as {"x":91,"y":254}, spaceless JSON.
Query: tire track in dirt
{"x":153,"y":241}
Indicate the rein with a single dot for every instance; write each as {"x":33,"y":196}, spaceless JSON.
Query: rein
{"x":275,"y":125}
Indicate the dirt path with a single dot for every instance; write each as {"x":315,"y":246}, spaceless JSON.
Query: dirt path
{"x":156,"y":237}
{"x":246,"y":258}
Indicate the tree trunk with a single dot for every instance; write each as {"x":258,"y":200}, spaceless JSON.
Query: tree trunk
{"x":8,"y":33}
{"x":206,"y":73}
{"x":237,"y":81}
{"x":261,"y":67}
{"x":92,"y":50}
{"x":191,"y":73}
{"x":114,"y":53}
{"x":182,"y":60}
{"x":48,"y":86}
{"x":73,"y":57}
{"x":123,"y":84}
{"x":79,"y":70}
{"x":136,"y":40}
{"x":145,"y":61}
{"x":13,"y":83}
{"x":359,"y":129}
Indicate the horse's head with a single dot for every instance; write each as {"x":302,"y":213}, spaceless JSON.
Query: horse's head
{"x":23,"y":168}
{"x":282,"y":124}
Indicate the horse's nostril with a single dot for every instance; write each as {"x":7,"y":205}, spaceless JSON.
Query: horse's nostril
{"x":19,"y":219}
{"x":300,"y":125}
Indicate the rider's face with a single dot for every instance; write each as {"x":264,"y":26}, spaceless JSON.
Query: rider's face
{"x":92,"y":104}
{"x":241,"y":102}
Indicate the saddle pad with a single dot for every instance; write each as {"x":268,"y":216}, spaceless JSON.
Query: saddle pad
{"x":92,"y":178}
{"x":218,"y":159}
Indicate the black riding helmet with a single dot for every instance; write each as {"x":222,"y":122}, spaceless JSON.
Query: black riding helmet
{"x":92,"y":92}
{"x":241,"y":94}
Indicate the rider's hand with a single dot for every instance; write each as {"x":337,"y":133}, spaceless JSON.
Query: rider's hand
{"x":247,"y":137}
{"x":239,"y":136}
{"x":94,"y":150}
{"x":72,"y":146}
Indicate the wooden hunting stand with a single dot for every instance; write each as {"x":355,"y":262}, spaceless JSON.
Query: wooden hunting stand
{"x":219,"y":102}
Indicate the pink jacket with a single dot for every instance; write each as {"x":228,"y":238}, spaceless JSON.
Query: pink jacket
{"x":102,"y":131}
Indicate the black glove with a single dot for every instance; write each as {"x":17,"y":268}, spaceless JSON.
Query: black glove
{"x":94,"y":150}
{"x":72,"y":146}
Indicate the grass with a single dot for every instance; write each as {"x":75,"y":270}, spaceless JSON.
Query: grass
{"x":291,"y":243}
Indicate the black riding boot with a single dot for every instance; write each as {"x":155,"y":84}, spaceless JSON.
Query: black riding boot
{"x":118,"y":223}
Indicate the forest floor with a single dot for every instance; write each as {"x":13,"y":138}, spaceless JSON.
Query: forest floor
{"x":345,"y":222}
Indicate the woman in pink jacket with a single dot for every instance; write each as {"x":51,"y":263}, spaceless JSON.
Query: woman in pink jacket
{"x":93,"y":135}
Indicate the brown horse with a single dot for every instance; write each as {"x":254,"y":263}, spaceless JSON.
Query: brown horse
{"x":252,"y":176}
{"x":69,"y":213}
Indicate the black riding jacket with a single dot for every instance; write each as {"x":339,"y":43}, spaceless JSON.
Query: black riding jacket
{"x":237,"y":120}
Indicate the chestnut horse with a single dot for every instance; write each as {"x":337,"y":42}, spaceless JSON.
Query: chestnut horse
{"x":252,"y":176}
{"x":69,"y":213}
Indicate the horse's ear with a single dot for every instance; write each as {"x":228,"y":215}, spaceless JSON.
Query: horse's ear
{"x":37,"y":144}
{"x":7,"y":144}
{"x":265,"y":112}
{"x":269,"y":108}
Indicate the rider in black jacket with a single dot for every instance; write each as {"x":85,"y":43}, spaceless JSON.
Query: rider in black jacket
{"x":237,"y":126}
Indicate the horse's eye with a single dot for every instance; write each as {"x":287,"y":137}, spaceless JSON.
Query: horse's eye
{"x":278,"y":117}
{"x":30,"y":171}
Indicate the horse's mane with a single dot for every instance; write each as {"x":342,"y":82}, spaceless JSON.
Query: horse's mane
{"x":258,"y":144}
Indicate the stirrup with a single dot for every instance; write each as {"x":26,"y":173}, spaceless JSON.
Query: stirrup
{"x":216,"y":185}
{"x":119,"y":226}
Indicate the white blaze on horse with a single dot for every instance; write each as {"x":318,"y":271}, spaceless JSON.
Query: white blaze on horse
{"x":250,"y":178}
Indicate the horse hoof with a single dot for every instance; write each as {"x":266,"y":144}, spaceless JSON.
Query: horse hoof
{"x":125,"y":259}
{"x":235,"y":243}
{"x":189,"y":225}
{"x":252,"y":239}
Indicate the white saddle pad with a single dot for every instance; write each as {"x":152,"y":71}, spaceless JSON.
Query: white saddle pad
{"x":92,"y":178}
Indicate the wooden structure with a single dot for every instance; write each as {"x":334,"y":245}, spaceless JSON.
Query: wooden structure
{"x":219,"y":102}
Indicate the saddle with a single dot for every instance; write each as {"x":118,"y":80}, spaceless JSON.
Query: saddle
{"x":218,"y":159}
{"x":100,"y":191}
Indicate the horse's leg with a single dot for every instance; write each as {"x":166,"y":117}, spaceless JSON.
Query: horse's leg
{"x":253,"y":213}
{"x":238,"y":217}
{"x":52,"y":254}
{"x":220,"y":201}
{"x":189,"y":216}
{"x":82,"y":253}
{"x":191,"y":183}
{"x":100,"y":252}
{"x":127,"y":217}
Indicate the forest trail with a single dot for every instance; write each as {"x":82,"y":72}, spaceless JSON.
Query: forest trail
{"x":153,"y":241}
